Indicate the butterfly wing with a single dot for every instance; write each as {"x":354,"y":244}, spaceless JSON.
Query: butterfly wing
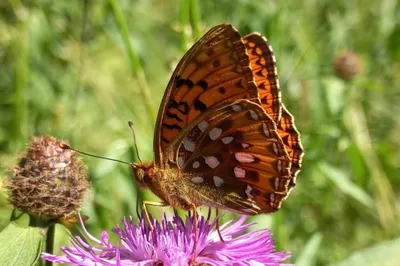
{"x":216,"y":70}
{"x":291,"y":138}
{"x":236,"y":158}
{"x":263,"y":65}
{"x":222,"y":125}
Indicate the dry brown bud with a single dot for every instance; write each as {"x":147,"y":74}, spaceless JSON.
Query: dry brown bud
{"x":348,"y":65}
{"x":49,"y":181}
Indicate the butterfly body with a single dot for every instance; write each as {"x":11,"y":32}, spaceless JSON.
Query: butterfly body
{"x":223,"y":138}
{"x":167,"y":184}
{"x":173,"y":188}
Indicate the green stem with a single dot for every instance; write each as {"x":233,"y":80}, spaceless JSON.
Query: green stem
{"x":136,"y":66}
{"x":50,"y":242}
{"x":195,"y":18}
{"x":184,"y":21}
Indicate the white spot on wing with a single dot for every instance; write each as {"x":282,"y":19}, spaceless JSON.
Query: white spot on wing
{"x":248,"y":192}
{"x":181,"y":161}
{"x":196,"y":164}
{"x":218,"y":181}
{"x":254,"y":115}
{"x":276,"y":183}
{"x":245,"y":145}
{"x":197,"y":179}
{"x":215,"y":133}
{"x":236,"y":108}
{"x":202,"y":125}
{"x":272,"y":197}
{"x":239,"y":172}
{"x":279,"y":165}
{"x":188,"y":145}
{"x":211,"y":161}
{"x":227,"y":140}
{"x":275,"y":147}
{"x":266,"y":130}
{"x":244,"y":157}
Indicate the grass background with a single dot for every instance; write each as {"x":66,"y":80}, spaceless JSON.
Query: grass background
{"x":79,"y":70}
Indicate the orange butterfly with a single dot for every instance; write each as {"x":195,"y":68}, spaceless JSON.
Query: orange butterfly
{"x":223,"y":138}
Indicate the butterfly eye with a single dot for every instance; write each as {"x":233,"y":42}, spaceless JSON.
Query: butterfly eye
{"x":140,"y":174}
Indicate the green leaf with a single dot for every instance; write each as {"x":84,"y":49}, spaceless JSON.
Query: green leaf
{"x":383,"y":254}
{"x":343,"y":182}
{"x":307,"y":256}
{"x":21,"y":245}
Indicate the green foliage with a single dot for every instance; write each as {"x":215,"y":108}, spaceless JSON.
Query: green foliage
{"x":384,"y":254}
{"x":21,"y":244}
{"x":79,"y":70}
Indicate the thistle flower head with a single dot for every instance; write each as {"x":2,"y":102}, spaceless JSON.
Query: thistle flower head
{"x":49,"y":181}
{"x":172,"y":243}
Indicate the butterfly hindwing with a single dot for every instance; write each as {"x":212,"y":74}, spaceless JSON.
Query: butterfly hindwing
{"x":291,"y":138}
{"x":236,"y":153}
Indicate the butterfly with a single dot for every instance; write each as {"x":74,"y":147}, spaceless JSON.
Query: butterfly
{"x":223,"y":137}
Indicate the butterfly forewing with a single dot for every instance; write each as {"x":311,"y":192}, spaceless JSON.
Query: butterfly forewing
{"x":265,"y":73}
{"x":215,"y":71}
{"x":235,"y":153}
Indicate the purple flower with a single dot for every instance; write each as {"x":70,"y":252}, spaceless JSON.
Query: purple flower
{"x":172,"y":243}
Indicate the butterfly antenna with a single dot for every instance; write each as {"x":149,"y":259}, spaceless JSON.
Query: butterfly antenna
{"x":130,"y":123}
{"x":67,"y":147}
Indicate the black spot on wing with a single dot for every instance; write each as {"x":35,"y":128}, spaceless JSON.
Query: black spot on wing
{"x":180,"y":82}
{"x":203,"y":84}
{"x":189,"y":83}
{"x":260,"y":73}
{"x":176,"y":117}
{"x":182,"y":107}
{"x":199,"y":105}
{"x":172,"y":126}
{"x":264,"y":100}
{"x":216,"y":63}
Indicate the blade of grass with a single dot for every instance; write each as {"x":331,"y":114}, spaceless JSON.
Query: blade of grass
{"x":343,"y":182}
{"x":136,"y":66}
{"x":311,"y":248}
{"x":356,"y":123}
{"x":81,"y":65}
{"x":21,"y":70}
{"x":184,"y":21}
{"x":195,"y":18}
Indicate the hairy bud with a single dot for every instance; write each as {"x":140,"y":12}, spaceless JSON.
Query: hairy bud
{"x":49,"y":180}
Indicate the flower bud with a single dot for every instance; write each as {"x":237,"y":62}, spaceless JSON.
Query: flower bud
{"x":347,"y":65}
{"x":49,"y":180}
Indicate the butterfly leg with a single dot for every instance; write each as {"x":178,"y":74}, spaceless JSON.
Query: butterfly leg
{"x":217,"y":226}
{"x":146,"y":214}
{"x":193,"y":208}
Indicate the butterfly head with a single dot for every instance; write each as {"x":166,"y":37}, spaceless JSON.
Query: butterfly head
{"x":144,"y":172}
